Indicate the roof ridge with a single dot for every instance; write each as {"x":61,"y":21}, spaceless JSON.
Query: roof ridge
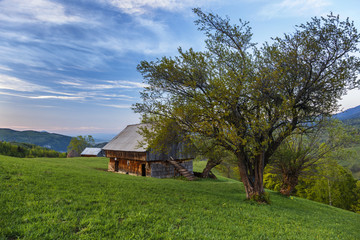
{"x":128,"y":139}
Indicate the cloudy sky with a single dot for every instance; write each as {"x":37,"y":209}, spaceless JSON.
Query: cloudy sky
{"x":70,"y":66}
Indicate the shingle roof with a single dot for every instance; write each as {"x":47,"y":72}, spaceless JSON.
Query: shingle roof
{"x":127,"y":140}
{"x":91,"y":151}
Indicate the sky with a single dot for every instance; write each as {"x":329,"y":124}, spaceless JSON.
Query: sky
{"x":69,"y":67}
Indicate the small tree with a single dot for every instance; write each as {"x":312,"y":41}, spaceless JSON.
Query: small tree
{"x":297,"y":155}
{"x":78,"y":144}
{"x":247,"y":99}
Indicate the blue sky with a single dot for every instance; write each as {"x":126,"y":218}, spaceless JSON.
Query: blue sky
{"x":70,"y":66}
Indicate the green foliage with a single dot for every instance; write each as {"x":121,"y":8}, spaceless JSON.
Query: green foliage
{"x":300,"y":151}
{"x":355,"y":122}
{"x":333,"y":185}
{"x":229,"y":169}
{"x":27,"y":150}
{"x":272,"y":181}
{"x":356,"y":206}
{"x":67,"y":199}
{"x":216,"y":155}
{"x":79,"y":143}
{"x":329,"y":183}
{"x":350,"y":159}
{"x":165,"y":137}
{"x":250,"y":99}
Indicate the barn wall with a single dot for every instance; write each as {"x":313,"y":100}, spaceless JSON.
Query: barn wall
{"x":163,"y":169}
{"x":131,"y":163}
{"x":111,"y":165}
{"x":140,"y":156}
{"x":129,"y":167}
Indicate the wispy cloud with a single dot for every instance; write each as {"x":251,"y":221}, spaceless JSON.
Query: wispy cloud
{"x":286,"y":8}
{"x":143,"y":6}
{"x":5,"y":68}
{"x":65,"y":82}
{"x":116,"y":106}
{"x":127,"y":84}
{"x":80,"y":91}
{"x":106,"y":84}
{"x":56,"y":97}
{"x":54,"y":35}
{"x":42,"y":96}
{"x":19,"y":11}
{"x":16,"y":84}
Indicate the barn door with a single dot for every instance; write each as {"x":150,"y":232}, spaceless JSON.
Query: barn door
{"x":143,"y":170}
{"x":116,"y":165}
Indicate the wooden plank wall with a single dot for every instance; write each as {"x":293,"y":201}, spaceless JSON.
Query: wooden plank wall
{"x":131,"y":163}
{"x":141,"y":156}
{"x":129,"y":166}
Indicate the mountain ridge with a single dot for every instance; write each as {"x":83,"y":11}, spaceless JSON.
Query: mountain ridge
{"x":350,"y":113}
{"x":54,"y":141}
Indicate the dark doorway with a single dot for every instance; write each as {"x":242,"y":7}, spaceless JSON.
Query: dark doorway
{"x":143,"y":170}
{"x":116,"y":165}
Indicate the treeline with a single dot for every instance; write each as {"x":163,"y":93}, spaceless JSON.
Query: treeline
{"x":27,"y":150}
{"x":355,"y":122}
{"x":327,"y":182}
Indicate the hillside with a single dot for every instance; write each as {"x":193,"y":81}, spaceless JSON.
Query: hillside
{"x":53,"y":141}
{"x":350,"y":113}
{"x":78,"y":199}
{"x":350,"y":116}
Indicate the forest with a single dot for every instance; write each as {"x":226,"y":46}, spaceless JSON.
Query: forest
{"x":27,"y":150}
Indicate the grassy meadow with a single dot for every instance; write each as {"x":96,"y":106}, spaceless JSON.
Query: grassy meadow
{"x":77,"y":198}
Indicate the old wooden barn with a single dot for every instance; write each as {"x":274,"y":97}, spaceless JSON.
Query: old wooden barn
{"x":126,"y":156}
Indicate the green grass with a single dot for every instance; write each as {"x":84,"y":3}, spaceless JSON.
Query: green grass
{"x":77,"y":199}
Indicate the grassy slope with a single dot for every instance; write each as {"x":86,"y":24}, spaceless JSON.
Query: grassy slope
{"x":77,"y":199}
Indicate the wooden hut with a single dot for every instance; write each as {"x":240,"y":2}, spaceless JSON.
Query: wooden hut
{"x":126,"y":156}
{"x":92,"y":152}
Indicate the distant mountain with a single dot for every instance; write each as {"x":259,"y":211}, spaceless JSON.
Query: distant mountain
{"x":350,"y":113}
{"x":53,"y":141}
{"x":100,"y":145}
{"x":103,"y":137}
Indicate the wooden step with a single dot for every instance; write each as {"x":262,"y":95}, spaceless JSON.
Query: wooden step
{"x":183,"y":171}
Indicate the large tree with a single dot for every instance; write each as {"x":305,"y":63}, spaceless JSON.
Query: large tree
{"x":250,"y":99}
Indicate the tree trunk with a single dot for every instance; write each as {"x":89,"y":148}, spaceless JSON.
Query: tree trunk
{"x":207,"y":170}
{"x":252,"y":177}
{"x":329,"y":187}
{"x":290,"y":180}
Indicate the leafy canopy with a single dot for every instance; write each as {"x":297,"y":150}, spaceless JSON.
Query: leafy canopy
{"x":249,"y":99}
{"x":79,"y":143}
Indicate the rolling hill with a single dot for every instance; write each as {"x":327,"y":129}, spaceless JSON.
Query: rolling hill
{"x":350,"y":116}
{"x":350,"y":113}
{"x":52,"y":141}
{"x":78,"y":199}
